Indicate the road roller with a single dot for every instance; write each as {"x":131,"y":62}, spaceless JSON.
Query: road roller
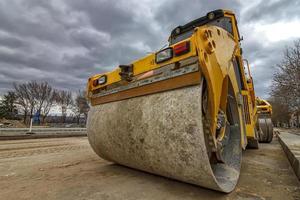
{"x":185,"y":112}
{"x":264,"y":121}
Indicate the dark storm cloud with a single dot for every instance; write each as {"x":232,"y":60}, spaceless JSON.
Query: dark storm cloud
{"x":264,"y":61}
{"x":65,"y":42}
{"x":272,"y":11}
{"x":179,"y":12}
{"x":264,"y":54}
{"x":43,"y":39}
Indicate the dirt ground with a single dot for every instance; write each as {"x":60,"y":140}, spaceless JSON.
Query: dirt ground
{"x":67,"y":168}
{"x":5,"y":123}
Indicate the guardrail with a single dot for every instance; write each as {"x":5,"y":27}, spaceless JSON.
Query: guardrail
{"x":23,"y":133}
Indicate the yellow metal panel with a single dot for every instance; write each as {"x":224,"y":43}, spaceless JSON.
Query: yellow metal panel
{"x":141,"y":66}
{"x":216,"y":49}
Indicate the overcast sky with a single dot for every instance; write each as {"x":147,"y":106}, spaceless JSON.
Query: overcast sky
{"x":65,"y":42}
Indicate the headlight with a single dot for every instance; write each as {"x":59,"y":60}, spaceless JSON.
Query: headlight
{"x":100,"y":81}
{"x":164,"y":55}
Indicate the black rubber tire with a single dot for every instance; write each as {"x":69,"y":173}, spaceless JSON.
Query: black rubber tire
{"x":265,"y":133}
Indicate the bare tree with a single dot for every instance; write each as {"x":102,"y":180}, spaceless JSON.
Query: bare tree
{"x":281,"y":113}
{"x":44,"y":97}
{"x":31,"y":91}
{"x":80,"y":105}
{"x":22,"y":99}
{"x":35,"y":97}
{"x":48,"y":104}
{"x":286,"y":81}
{"x":64,"y":100}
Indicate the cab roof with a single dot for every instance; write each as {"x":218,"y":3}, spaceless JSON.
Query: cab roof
{"x":199,"y":22}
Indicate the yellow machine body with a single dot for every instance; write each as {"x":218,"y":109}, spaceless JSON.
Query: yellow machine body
{"x":264,"y":121}
{"x":214,"y":67}
{"x":263,"y":106}
{"x":213,"y":56}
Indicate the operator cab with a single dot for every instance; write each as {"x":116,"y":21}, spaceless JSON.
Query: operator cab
{"x":220,"y":18}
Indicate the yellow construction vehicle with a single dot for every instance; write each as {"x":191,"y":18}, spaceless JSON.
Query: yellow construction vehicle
{"x":184,"y":112}
{"x":264,"y":125}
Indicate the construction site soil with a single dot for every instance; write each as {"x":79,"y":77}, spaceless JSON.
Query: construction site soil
{"x":67,"y":168}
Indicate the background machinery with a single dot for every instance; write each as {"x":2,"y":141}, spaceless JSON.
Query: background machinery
{"x":184,"y":112}
{"x":261,"y":111}
{"x":265,"y":125}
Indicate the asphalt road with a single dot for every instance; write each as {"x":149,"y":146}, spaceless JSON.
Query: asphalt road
{"x":67,"y":168}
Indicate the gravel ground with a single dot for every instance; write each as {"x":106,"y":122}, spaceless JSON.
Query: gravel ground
{"x":67,"y":168}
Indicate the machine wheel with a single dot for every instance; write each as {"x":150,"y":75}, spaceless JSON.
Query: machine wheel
{"x":227,"y":157}
{"x":266,"y":129}
{"x":165,"y":134}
